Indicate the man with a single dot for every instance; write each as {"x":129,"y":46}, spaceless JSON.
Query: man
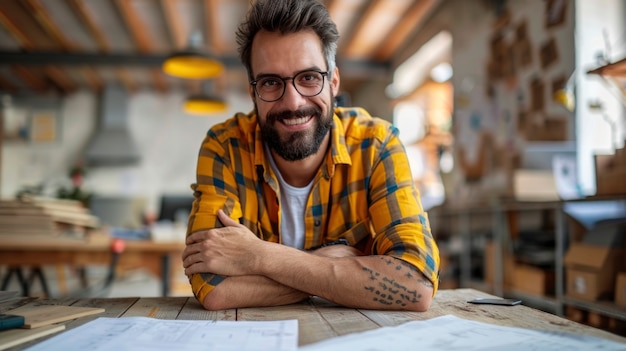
{"x":298,"y":198}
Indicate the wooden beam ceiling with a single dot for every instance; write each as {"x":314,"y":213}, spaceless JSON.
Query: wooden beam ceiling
{"x":371,"y":34}
{"x":141,"y":39}
{"x":88,"y":19}
{"x":403,"y":29}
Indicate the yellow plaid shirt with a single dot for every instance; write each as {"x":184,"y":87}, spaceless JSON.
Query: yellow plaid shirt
{"x":363,"y":193}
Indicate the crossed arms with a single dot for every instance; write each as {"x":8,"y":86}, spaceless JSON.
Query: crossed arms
{"x":261,"y":273}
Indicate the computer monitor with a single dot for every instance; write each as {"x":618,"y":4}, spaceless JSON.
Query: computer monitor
{"x":118,"y":211}
{"x":175,"y":207}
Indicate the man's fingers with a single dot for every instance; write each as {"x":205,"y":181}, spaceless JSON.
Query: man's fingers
{"x":188,"y":260}
{"x":226,"y":220}
{"x":194,"y":238}
{"x":199,"y":236}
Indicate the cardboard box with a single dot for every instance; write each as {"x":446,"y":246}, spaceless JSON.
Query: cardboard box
{"x":591,"y":270}
{"x":534,"y":185}
{"x":611,"y":183}
{"x":598,"y":320}
{"x":620,"y":289}
{"x":617,"y":326}
{"x":597,"y":222}
{"x":576,"y":230}
{"x":610,"y":174}
{"x":533,"y":280}
{"x":576,"y":314}
{"x":489,"y":269}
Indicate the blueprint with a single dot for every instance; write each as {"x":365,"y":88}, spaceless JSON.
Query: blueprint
{"x":449,"y":333}
{"x":150,"y":334}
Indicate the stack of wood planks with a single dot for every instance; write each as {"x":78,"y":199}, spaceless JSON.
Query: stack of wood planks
{"x":45,"y":216}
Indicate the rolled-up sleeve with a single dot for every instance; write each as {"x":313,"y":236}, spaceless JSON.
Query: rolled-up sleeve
{"x":397,"y":216}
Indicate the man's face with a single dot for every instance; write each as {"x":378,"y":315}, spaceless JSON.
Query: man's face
{"x":294,"y":126}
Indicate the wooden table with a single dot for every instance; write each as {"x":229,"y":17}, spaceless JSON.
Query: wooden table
{"x":27,"y":251}
{"x":318,"y":319}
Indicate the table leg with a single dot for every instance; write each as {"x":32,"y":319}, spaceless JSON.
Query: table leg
{"x":165,"y":275}
{"x":37,"y":272}
{"x":7,"y":278}
{"x":20,"y":278}
{"x":82,"y":276}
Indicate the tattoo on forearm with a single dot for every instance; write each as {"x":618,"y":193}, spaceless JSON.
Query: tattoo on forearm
{"x":387,"y":291}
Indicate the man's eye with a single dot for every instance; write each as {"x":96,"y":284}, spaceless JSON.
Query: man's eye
{"x":271,"y":82}
{"x":309,"y":77}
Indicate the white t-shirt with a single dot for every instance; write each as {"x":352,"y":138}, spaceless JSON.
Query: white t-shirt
{"x":292,"y":205}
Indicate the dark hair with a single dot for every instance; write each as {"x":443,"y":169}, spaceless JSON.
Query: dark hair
{"x":287,"y":16}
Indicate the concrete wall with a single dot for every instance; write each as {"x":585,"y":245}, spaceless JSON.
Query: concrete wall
{"x":168,"y":140}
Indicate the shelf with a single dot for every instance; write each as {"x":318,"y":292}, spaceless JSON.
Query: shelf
{"x":609,"y":309}
{"x":503,"y":226}
{"x":544,"y":303}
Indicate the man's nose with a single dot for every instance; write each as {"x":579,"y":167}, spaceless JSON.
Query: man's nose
{"x":292,"y":98}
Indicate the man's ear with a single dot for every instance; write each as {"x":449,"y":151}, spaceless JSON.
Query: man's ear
{"x":334,"y":82}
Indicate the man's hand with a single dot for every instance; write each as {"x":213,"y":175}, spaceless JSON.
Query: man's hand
{"x":229,"y":251}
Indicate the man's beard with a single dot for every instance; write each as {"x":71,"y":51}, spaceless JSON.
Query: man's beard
{"x":297,"y":145}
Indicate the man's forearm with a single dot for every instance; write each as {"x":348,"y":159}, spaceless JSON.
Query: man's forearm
{"x":250,"y":291}
{"x":257,"y":291}
{"x":372,"y":282}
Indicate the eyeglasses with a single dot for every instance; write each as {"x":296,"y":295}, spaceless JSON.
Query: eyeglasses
{"x":270,"y":88}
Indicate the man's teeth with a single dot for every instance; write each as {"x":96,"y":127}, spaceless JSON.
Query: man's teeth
{"x":294,"y":121}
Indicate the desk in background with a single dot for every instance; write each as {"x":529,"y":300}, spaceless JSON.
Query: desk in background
{"x":320,"y":320}
{"x":157,"y":257}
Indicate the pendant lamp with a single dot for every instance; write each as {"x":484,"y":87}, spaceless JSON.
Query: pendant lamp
{"x":205,"y":103}
{"x":192,"y":63}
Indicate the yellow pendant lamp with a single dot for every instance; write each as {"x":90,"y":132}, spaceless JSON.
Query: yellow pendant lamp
{"x":204,"y":105}
{"x":193,"y":63}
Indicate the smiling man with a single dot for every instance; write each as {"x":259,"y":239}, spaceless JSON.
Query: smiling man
{"x":300,"y":198}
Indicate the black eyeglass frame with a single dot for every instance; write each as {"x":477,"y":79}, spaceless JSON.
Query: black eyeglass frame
{"x":293,"y":82}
